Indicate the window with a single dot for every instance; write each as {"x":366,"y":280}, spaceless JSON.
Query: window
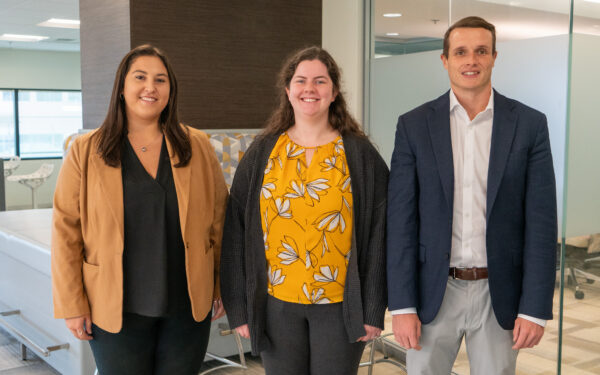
{"x":7,"y":123}
{"x":43,"y":119}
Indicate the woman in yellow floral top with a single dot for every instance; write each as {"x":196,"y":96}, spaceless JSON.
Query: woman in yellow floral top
{"x":303,"y":257}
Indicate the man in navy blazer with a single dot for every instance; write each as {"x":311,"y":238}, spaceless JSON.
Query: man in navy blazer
{"x":472,"y":223}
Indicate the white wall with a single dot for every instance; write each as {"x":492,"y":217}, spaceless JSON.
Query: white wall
{"x":24,"y":69}
{"x":533,"y":71}
{"x":343,"y":33}
{"x":583,"y":185}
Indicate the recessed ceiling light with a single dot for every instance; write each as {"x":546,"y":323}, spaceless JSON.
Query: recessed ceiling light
{"x":593,"y":1}
{"x":392,"y":15}
{"x":392,"y":34}
{"x":22,"y":38}
{"x":57,"y":22}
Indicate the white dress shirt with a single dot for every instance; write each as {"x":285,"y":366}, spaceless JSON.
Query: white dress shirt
{"x":471,"y":143}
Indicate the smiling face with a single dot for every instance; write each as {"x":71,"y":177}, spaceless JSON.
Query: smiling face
{"x":310,"y":91}
{"x":470,"y":61}
{"x":146,"y":89}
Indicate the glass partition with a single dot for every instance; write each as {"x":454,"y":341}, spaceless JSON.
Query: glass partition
{"x":580,"y":340}
{"x":548,"y":58}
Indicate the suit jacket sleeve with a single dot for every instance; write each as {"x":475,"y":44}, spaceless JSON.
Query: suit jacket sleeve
{"x":402,"y":224}
{"x":539,"y":255}
{"x":67,"y":259}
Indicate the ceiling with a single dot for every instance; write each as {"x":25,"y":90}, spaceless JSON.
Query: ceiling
{"x":421,"y":19}
{"x":22,"y":16}
{"x":514,"y":19}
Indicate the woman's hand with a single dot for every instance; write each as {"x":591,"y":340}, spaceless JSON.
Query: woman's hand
{"x":218,"y":309}
{"x":243,"y":331}
{"x":372,"y":332}
{"x":80,"y":327}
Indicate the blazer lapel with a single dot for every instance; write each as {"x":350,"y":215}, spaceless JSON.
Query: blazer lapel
{"x":111,"y":183}
{"x":438,"y":122}
{"x":181,"y":177}
{"x":503,"y":132}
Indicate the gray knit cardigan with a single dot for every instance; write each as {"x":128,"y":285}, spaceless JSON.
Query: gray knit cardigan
{"x":243,"y":270}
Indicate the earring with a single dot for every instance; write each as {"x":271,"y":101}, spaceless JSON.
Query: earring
{"x":121,"y":96}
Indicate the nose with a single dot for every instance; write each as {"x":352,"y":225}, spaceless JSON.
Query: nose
{"x":149,"y":85}
{"x":472,"y":58}
{"x":309,"y":86}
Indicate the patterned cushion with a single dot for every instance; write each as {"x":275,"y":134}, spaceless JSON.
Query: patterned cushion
{"x":230,"y":147}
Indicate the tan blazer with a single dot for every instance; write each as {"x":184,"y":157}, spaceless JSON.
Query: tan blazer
{"x":87,"y":231}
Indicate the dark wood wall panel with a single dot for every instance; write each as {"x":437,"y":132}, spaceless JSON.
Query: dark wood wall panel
{"x":105,"y":39}
{"x":226,"y":54}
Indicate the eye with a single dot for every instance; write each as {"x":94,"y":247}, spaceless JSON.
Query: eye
{"x":459,"y":52}
{"x":139,"y":76}
{"x":300,"y":80}
{"x":321,"y":81}
{"x":161,"y":80}
{"x":482,"y":51}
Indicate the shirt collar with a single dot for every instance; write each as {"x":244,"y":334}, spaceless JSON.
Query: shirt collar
{"x":454,"y":103}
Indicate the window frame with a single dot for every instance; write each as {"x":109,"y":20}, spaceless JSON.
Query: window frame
{"x":16,"y":121}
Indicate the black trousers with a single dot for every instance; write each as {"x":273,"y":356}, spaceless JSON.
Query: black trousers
{"x":308,"y":340}
{"x":152,"y":346}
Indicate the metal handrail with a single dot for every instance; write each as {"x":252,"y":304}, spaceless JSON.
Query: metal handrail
{"x":42,"y":350}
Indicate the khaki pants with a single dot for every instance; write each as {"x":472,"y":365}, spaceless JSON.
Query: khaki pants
{"x":467,"y":312}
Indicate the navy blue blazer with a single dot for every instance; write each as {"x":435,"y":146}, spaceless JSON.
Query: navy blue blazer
{"x":521,"y":229}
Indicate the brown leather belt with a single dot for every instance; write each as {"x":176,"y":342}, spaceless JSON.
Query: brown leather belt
{"x":468,"y":273}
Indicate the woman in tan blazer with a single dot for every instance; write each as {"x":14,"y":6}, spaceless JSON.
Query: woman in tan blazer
{"x":138,"y":218}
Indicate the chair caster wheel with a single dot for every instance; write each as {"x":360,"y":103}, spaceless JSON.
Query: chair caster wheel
{"x":579,"y":294}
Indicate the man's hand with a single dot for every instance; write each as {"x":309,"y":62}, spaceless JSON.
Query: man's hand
{"x":243,"y":331}
{"x":80,"y":327}
{"x":407,"y":330}
{"x":372,"y":332}
{"x":526,"y":334}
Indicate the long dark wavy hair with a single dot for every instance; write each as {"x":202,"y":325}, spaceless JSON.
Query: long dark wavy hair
{"x":114,"y":128}
{"x":282,"y":117}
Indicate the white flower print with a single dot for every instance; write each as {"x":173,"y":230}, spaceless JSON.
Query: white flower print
{"x":297,"y":190}
{"x":331,"y":220}
{"x":326,"y":276}
{"x":339,"y":146}
{"x":292,"y":150}
{"x":283,"y":206}
{"x":316,"y":296}
{"x":325,"y":245}
{"x":266,"y":190}
{"x":275,"y":277}
{"x":269,"y":166}
{"x":289,"y":255}
{"x":314,"y":187}
{"x":328,"y":164}
{"x":345,"y":182}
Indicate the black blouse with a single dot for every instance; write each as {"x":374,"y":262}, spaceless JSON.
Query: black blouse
{"x":154,"y":275}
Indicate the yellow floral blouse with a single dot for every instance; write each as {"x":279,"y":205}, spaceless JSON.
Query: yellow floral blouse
{"x":307,"y":222}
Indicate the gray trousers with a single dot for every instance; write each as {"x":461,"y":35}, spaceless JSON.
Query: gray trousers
{"x":467,"y":312}
{"x":308,"y":340}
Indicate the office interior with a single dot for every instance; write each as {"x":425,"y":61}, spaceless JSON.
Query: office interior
{"x":57,"y":86}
